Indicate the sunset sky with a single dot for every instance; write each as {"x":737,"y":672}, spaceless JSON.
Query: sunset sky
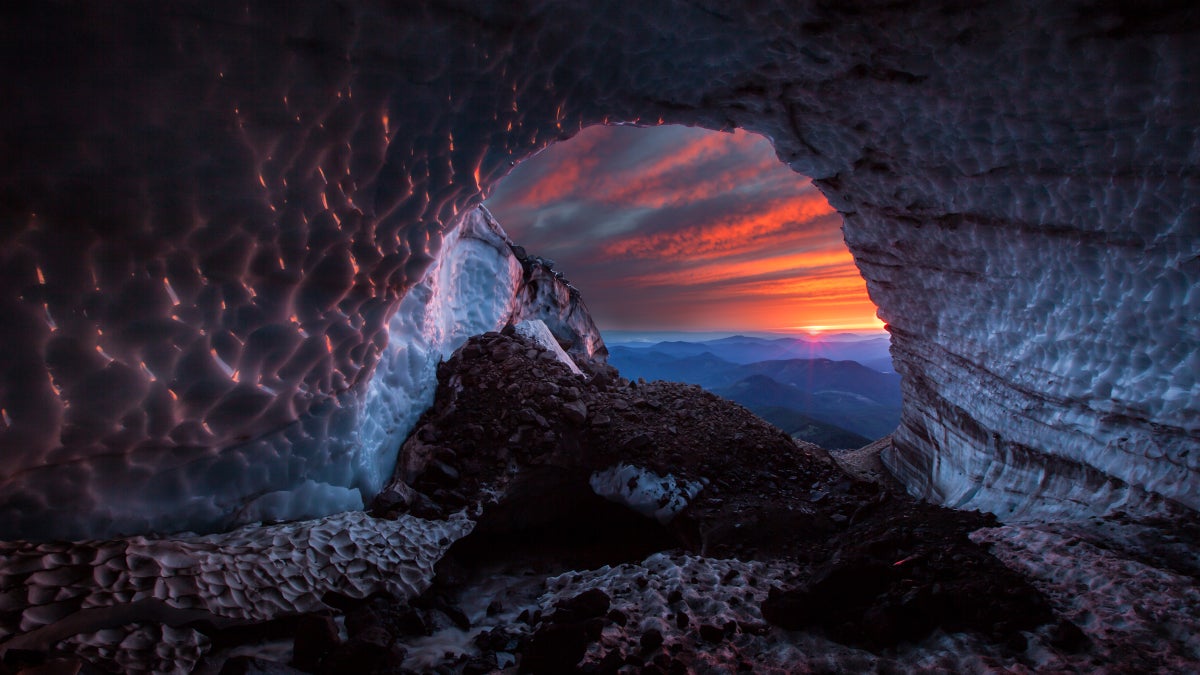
{"x":674,"y":228}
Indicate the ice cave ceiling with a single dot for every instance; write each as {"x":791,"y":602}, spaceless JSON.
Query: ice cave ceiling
{"x":211,"y":212}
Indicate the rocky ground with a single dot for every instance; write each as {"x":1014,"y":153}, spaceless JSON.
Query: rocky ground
{"x":819,"y":549}
{"x":640,"y":527}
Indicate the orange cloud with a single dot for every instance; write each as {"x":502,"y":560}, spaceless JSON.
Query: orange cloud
{"x":677,"y":228}
{"x":673,"y":178}
{"x":727,"y":235}
{"x":801,"y":264}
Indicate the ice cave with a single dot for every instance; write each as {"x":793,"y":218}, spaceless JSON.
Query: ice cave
{"x":238,"y":238}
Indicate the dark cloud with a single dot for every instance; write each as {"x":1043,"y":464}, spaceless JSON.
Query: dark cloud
{"x":676,"y":228}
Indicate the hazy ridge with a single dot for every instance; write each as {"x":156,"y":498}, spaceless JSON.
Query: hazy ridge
{"x":813,"y":390}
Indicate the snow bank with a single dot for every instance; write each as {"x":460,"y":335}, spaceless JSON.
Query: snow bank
{"x":652,"y":495}
{"x":57,"y":591}
{"x":470,"y":289}
{"x":537,"y":331}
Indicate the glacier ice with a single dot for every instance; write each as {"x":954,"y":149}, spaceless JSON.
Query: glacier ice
{"x":470,"y":289}
{"x":245,"y":576}
{"x":652,"y":495}
{"x":218,"y":223}
{"x":539,"y":332}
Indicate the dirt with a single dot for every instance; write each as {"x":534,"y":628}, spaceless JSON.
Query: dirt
{"x":513,"y":429}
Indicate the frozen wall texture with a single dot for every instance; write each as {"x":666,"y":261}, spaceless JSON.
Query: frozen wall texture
{"x":212,"y":212}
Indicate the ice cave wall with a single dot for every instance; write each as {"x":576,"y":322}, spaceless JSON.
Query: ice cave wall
{"x":213,"y":214}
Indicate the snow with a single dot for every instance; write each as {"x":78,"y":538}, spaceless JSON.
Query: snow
{"x":657,"y":592}
{"x":648,"y":493}
{"x":470,"y":289}
{"x":537,"y":331}
{"x":1142,"y":615}
{"x":256,"y":573}
{"x":216,"y":241}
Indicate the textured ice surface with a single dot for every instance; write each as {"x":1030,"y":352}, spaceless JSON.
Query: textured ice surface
{"x":677,"y":594}
{"x":211,"y":214}
{"x":1143,"y":616}
{"x":537,"y":331}
{"x":546,"y":296}
{"x":52,"y":592}
{"x":470,"y":289}
{"x":652,"y":495}
{"x":137,"y":648}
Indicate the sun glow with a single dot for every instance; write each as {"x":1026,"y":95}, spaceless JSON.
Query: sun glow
{"x":817,"y":330}
{"x":676,"y":228}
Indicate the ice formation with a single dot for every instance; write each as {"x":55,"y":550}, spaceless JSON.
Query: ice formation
{"x":1131,"y":608}
{"x":652,"y":495}
{"x":57,"y":591}
{"x":218,"y":220}
{"x":539,"y":332}
{"x":687,"y":598}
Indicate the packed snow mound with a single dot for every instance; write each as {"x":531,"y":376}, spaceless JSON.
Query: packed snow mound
{"x":214,"y":214}
{"x":1139,"y":612}
{"x":705,"y":613}
{"x":652,"y":495}
{"x":56,"y":591}
{"x":537,"y":331}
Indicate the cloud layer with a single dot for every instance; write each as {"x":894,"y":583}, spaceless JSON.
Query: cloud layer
{"x":675,"y":228}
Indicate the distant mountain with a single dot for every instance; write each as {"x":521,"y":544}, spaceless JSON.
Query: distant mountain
{"x":869,"y":351}
{"x":860,"y":402}
{"x":710,"y":371}
{"x":802,"y":427}
{"x":823,"y":375}
{"x":849,"y":411}
{"x":704,"y":369}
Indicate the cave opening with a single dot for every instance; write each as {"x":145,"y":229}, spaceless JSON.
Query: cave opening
{"x":686,"y":242}
{"x":683,"y":229}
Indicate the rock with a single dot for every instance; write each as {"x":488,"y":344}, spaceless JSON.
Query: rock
{"x":500,"y":639}
{"x":316,"y":635}
{"x":410,"y":621}
{"x":456,"y":615}
{"x":394,"y":499}
{"x":575,"y":412}
{"x":587,"y":605}
{"x":711,"y":633}
{"x":651,"y":640}
{"x":558,"y":647}
{"x":441,"y":473}
{"x":636,"y":442}
{"x":424,"y":507}
{"x":249,"y":665}
{"x":362,"y":656}
{"x":480,"y":665}
{"x":905,"y":571}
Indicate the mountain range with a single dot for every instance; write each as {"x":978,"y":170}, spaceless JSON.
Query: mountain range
{"x":834,"y":403}
{"x":869,"y":350}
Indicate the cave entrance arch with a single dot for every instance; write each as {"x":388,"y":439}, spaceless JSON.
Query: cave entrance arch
{"x":675,"y":228}
{"x":678,"y":233}
{"x":1027,"y":231}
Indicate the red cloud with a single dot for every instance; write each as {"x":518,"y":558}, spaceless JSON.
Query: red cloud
{"x":724,"y":236}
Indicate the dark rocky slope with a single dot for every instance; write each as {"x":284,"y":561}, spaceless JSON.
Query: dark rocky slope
{"x":514,"y":429}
